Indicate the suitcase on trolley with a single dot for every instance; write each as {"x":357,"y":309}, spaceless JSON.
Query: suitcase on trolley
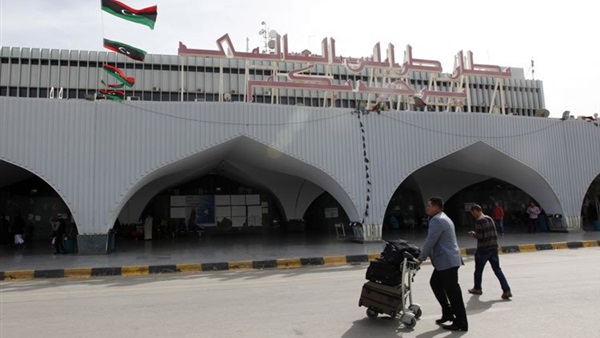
{"x":382,"y":272}
{"x":381,"y":298}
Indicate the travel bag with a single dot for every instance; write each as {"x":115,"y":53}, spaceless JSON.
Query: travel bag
{"x":381,"y":271}
{"x":393,"y":252}
{"x":381,"y":298}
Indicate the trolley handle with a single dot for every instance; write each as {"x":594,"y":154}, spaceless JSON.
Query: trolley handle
{"x":410,"y":261}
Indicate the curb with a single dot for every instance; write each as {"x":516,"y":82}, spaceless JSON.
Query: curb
{"x":282,"y":264}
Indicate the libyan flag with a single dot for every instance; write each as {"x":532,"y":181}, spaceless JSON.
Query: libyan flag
{"x":119,"y":75}
{"x":127,"y":50}
{"x":144,"y":16}
{"x":112,"y":85}
{"x":111,"y":94}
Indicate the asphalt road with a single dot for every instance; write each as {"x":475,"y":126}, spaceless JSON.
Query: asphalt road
{"x":556,"y":294}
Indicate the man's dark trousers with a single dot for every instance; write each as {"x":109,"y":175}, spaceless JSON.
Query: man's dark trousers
{"x":445,"y":287}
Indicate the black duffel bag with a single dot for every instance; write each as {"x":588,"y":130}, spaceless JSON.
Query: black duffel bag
{"x":382,"y":272}
{"x":393,"y":252}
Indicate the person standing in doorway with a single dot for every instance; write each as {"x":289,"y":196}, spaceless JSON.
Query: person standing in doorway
{"x":58,"y":234}
{"x":498,"y":216}
{"x":442,"y":247}
{"x":487,"y":251}
{"x":148,"y":227}
{"x":533,"y":212}
{"x":17,"y":229}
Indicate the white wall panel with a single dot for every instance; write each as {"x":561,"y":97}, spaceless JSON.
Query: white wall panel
{"x":98,"y":154}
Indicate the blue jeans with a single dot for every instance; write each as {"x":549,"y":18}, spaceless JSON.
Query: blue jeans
{"x":481,"y":258}
{"x":499,"y":226}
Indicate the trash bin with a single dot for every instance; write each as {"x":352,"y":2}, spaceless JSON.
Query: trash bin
{"x":544,"y":223}
{"x":69,"y":245}
{"x":111,"y":241}
{"x":555,"y":223}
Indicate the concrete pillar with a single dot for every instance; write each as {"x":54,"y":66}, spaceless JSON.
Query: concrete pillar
{"x":92,"y":244}
{"x":573,"y":223}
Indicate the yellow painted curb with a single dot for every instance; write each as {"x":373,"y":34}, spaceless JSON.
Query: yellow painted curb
{"x":195,"y":267}
{"x":335,"y":260}
{"x":374,"y":256}
{"x":289,"y":263}
{"x":19,"y":274}
{"x":527,"y":247}
{"x":78,"y":273}
{"x":463,"y":251}
{"x":589,"y":244}
{"x":240,"y":265}
{"x":559,"y":245}
{"x":134,"y":270}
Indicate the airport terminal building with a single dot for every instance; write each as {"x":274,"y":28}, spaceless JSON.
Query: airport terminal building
{"x":260,"y":141}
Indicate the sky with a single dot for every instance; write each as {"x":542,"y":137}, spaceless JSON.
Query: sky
{"x":562,"y":38}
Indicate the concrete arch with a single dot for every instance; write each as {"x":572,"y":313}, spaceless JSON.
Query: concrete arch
{"x":592,"y":194}
{"x":293,"y":182}
{"x":13,"y":173}
{"x":479,"y":162}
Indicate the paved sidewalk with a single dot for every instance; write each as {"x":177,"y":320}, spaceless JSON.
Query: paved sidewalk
{"x":243,"y":252}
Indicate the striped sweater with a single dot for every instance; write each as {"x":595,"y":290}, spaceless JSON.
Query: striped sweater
{"x":485,"y":232}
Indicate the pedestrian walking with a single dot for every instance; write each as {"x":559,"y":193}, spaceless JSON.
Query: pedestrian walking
{"x":442,"y":247}
{"x":487,"y":251}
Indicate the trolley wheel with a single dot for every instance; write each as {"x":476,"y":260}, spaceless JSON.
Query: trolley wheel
{"x":372,"y":313}
{"x":416,"y":310}
{"x":410,"y":323}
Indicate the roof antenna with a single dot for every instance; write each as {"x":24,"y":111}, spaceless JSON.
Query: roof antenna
{"x":532,"y":70}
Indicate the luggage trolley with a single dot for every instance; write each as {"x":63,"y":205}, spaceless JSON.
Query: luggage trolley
{"x":395,"y":301}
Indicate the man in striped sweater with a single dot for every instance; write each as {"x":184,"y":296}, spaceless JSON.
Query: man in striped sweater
{"x":487,"y":251}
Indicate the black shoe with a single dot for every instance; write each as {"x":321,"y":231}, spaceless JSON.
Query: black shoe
{"x":455,"y":327}
{"x":445,"y":318}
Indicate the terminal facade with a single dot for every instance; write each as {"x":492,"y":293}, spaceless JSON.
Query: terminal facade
{"x":247,"y":141}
